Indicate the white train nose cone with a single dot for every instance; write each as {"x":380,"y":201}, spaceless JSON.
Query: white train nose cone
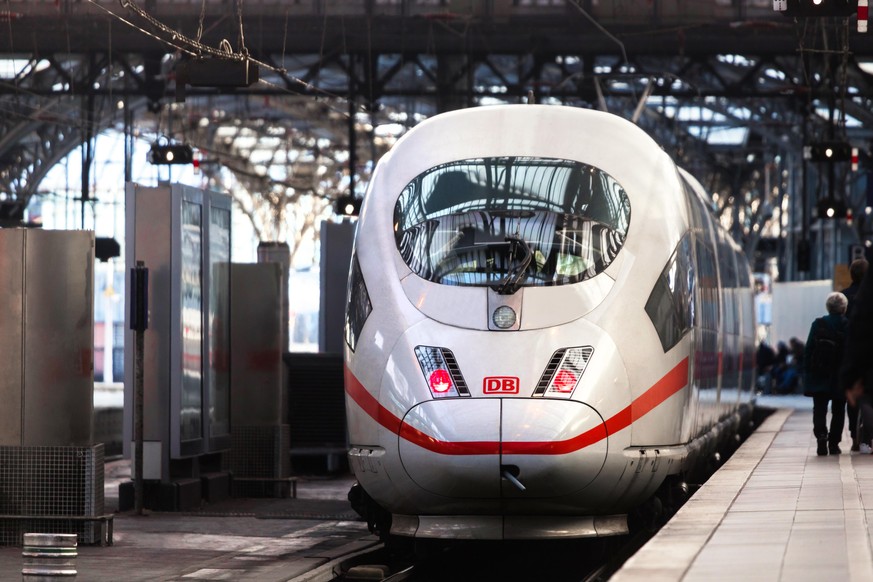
{"x":559,"y":446}
{"x":451,"y":447}
{"x":462,"y":447}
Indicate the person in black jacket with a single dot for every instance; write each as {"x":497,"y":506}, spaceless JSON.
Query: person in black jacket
{"x":856,"y":270}
{"x":821,"y":366}
{"x":856,"y":372}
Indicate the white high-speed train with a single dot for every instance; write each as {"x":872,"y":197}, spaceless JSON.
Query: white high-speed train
{"x":545,"y":324}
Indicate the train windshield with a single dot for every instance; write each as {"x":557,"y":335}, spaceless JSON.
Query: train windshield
{"x":511,"y":222}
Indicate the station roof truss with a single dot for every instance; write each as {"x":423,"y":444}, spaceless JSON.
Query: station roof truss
{"x":732,"y":90}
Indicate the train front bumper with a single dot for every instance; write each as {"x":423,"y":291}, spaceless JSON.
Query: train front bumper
{"x":508,"y":527}
{"x":502,"y":448}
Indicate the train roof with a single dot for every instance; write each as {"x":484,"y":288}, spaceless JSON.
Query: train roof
{"x":604,"y":140}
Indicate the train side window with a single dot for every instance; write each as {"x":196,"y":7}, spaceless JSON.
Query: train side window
{"x":729,"y":276}
{"x":671,"y":303}
{"x":701,"y":215}
{"x":358,"y":305}
{"x":744,"y":273}
{"x":707,"y":278}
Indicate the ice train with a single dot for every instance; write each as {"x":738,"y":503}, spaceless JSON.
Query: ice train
{"x":545,"y":323}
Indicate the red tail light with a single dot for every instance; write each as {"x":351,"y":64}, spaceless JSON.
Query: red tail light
{"x":440,"y":382}
{"x":441,"y":372}
{"x":564,"y":381}
{"x":563,"y":372}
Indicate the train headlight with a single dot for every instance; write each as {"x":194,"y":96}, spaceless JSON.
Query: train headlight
{"x":504,"y":317}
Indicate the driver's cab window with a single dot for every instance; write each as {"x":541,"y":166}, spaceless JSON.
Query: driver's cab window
{"x":520,"y":220}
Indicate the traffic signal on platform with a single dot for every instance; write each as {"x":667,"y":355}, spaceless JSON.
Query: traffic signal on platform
{"x":828,"y":151}
{"x":171,"y":154}
{"x":816,"y":8}
{"x":347,"y":205}
{"x":831,"y":207}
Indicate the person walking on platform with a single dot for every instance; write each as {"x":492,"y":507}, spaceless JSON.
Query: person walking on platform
{"x":856,"y":270}
{"x":821,"y":374}
{"x":856,"y":372}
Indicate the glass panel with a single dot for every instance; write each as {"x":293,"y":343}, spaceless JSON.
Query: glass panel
{"x":525,"y":221}
{"x":708,"y":282}
{"x":219,"y":322}
{"x":191,"y":406}
{"x":118,"y":364}
{"x":98,"y":364}
{"x":701,"y":216}
{"x":358,"y":305}
{"x":671,"y":305}
{"x":118,"y":332}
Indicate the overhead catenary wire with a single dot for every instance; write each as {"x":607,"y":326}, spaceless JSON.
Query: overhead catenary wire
{"x":193,"y":47}
{"x":201,"y":20}
{"x":600,"y":27}
{"x":242,"y":35}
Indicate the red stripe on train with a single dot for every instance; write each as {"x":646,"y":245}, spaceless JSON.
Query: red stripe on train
{"x":672,"y":382}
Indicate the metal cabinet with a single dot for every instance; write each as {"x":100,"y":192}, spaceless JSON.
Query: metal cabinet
{"x":182,"y":234}
{"x":46,"y":337}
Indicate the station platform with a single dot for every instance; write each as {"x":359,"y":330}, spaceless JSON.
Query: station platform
{"x":252,"y":539}
{"x":774,"y":512}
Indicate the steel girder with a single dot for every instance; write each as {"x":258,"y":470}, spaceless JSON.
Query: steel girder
{"x":395,"y":67}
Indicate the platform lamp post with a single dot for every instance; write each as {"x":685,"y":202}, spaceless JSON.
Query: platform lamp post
{"x":139,"y":283}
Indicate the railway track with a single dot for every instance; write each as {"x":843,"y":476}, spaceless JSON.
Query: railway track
{"x":586,"y":560}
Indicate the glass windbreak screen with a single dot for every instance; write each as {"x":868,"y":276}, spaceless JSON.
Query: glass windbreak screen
{"x":192,"y":323}
{"x":219,"y":322}
{"x":510,"y":222}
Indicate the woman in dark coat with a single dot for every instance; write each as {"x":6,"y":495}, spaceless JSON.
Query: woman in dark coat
{"x":824,"y":386}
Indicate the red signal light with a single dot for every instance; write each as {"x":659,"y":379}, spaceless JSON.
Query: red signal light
{"x":440,"y":381}
{"x":564,"y":381}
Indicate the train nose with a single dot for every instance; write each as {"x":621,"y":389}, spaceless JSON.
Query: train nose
{"x":512,"y":448}
{"x":451,"y":447}
{"x":559,"y":446}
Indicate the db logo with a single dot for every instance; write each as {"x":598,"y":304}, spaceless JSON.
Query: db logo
{"x":500,"y":385}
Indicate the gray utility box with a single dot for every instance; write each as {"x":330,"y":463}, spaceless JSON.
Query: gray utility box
{"x":182,"y":234}
{"x":260,"y":458}
{"x":337,"y":243}
{"x":258,"y":330}
{"x":46,"y":337}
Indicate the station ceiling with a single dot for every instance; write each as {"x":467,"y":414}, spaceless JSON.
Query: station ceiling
{"x":731,"y":88}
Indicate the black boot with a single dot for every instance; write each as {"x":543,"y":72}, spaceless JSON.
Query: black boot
{"x":834,"y":448}
{"x":822,"y":449}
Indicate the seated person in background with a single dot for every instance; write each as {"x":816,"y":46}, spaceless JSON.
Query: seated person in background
{"x":786,"y":375}
{"x":788,"y":380}
{"x":796,"y":348}
{"x":781,"y":361}
{"x":764,"y":359}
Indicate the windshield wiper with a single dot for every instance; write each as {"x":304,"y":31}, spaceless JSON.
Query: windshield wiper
{"x":517,"y":272}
